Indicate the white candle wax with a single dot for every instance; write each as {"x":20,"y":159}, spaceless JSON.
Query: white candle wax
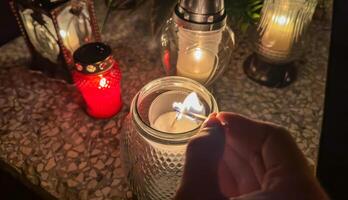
{"x":165,"y":123}
{"x":163,"y":118}
{"x":198,"y":54}
{"x":197,"y":64}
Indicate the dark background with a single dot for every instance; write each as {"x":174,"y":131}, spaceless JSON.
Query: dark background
{"x":9,"y":28}
{"x":333,"y":154}
{"x":11,"y":188}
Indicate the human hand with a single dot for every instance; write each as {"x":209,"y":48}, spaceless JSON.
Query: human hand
{"x":243,"y":159}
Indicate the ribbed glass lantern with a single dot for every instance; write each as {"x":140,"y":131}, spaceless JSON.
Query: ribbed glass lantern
{"x":279,"y":39}
{"x":196,"y":41}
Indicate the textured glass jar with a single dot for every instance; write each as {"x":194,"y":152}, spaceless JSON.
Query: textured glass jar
{"x":196,"y":54}
{"x":153,"y":160}
{"x":280,"y":33}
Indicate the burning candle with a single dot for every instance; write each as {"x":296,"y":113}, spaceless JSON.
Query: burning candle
{"x":279,"y":29}
{"x":278,"y":35}
{"x":165,"y":118}
{"x":197,"y":64}
{"x":98,"y":78}
{"x":279,"y":41}
{"x":197,"y":56}
{"x":196,"y":41}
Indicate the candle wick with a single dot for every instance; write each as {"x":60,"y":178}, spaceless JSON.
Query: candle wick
{"x":173,"y":122}
{"x":190,"y":114}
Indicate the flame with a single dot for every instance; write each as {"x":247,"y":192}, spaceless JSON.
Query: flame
{"x":281,"y":20}
{"x":103,"y":83}
{"x":198,"y":54}
{"x":62,"y":33}
{"x":191,"y":104}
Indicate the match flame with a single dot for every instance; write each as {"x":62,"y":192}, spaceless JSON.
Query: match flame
{"x":191,"y":104}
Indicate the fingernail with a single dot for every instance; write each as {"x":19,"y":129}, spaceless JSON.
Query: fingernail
{"x":212,"y":115}
{"x":211,"y":122}
{"x":221,"y":119}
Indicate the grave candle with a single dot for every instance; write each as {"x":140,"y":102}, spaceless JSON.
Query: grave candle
{"x":98,"y":78}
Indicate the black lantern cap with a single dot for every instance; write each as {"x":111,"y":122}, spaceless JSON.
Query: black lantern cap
{"x":202,"y":15}
{"x":93,"y":58}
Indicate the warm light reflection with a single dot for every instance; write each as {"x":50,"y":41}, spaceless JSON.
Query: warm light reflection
{"x":103,"y":83}
{"x":198,"y":54}
{"x":190,"y":104}
{"x":281,"y":20}
{"x":62,"y":33}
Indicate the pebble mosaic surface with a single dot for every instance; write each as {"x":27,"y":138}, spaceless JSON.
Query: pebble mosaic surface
{"x":46,"y":136}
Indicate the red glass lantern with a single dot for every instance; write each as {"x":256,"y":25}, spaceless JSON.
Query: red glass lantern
{"x":98,"y":78}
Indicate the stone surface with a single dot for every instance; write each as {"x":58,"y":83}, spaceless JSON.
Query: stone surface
{"x":46,"y":134}
{"x":100,"y":165}
{"x":80,"y":178}
{"x":106,"y":190}
{"x":80,"y":148}
{"x":72,"y":154}
{"x":26,"y":150}
{"x":72,"y":183}
{"x":50,"y":164}
{"x":92,"y":173}
{"x":72,"y":167}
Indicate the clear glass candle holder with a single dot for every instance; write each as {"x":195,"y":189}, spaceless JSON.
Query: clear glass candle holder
{"x":201,"y":55}
{"x":154,"y":159}
{"x":279,"y":39}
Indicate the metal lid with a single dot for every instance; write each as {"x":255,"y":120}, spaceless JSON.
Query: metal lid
{"x":203,"y":7}
{"x":204,"y":15}
{"x":93,"y":58}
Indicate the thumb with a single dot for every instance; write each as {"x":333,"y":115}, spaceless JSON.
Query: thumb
{"x":204,"y":152}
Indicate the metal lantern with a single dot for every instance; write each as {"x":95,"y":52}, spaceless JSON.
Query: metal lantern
{"x":54,"y":30}
{"x":278,"y":41}
{"x":196,"y":41}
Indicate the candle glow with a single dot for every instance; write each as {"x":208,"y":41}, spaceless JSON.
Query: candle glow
{"x":197,"y":56}
{"x":102,"y":93}
{"x":278,"y":36}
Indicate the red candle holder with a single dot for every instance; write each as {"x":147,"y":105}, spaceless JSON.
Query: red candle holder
{"x":98,"y":77}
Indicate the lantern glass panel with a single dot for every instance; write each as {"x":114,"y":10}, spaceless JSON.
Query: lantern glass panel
{"x":199,"y":55}
{"x":41,"y":33}
{"x":74,"y":24}
{"x":280,"y":32}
